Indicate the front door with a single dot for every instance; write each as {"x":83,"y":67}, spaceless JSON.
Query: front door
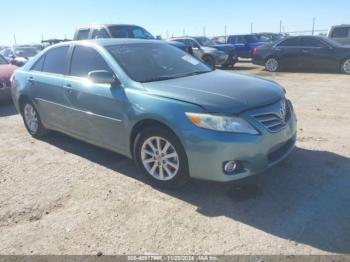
{"x":96,"y":111}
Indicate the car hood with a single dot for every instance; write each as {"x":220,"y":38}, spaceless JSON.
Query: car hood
{"x":219,"y":91}
{"x":6,"y":71}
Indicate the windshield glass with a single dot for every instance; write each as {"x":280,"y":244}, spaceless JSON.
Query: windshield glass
{"x":252,"y":39}
{"x":204,"y":41}
{"x":155,"y":61}
{"x":129,"y":31}
{"x":25,"y":51}
{"x":3,"y":61}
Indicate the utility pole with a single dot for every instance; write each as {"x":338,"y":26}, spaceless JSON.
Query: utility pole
{"x":280,"y":26}
{"x":225,"y":29}
{"x":183,"y":32}
{"x":251,"y":28}
{"x":167,"y":34}
{"x":14,"y":39}
{"x":204,"y":31}
{"x":313,"y":26}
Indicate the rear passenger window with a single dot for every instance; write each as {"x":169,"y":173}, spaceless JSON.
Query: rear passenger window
{"x":99,"y":33}
{"x":38,"y":66}
{"x":86,"y":59}
{"x":295,"y":41}
{"x":340,"y":32}
{"x":83,"y":34}
{"x":311,"y":42}
{"x":55,"y":60}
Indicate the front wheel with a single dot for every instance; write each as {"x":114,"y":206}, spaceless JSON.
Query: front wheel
{"x":345,"y":67}
{"x":210,"y":61}
{"x":272,"y":64}
{"x":161,"y":157}
{"x":32,"y":120}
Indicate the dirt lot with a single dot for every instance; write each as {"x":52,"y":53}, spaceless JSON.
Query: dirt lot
{"x":62,"y":196}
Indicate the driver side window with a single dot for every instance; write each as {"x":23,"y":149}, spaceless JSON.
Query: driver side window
{"x":86,"y":59}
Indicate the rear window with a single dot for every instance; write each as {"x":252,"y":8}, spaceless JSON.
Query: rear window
{"x":340,"y":32}
{"x":83,"y":34}
{"x":295,"y":41}
{"x":129,"y":31}
{"x":38,"y":66}
{"x":55,"y":60}
{"x":311,"y":42}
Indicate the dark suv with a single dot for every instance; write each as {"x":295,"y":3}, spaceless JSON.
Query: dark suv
{"x":244,"y":44}
{"x":120,"y":31}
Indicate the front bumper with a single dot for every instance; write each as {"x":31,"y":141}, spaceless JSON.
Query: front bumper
{"x":207,"y":151}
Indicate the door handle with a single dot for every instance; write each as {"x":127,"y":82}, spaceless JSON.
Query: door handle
{"x":68,"y":88}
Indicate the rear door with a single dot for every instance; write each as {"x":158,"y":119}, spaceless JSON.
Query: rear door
{"x":289,"y":53}
{"x":242,"y":47}
{"x":45,"y":83}
{"x":96,"y":111}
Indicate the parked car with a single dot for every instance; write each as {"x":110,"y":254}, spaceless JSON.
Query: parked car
{"x":120,"y":31}
{"x":244,"y":44}
{"x":340,"y":34}
{"x":158,"y":105}
{"x":303,"y":53}
{"x":269,"y":37}
{"x":211,"y":53}
{"x":6,"y":71}
{"x":19,"y":55}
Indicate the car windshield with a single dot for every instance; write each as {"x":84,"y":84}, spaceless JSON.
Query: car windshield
{"x":204,"y":41}
{"x":252,"y":39}
{"x":25,"y":51}
{"x":3,"y":61}
{"x":129,"y":31}
{"x":155,"y":61}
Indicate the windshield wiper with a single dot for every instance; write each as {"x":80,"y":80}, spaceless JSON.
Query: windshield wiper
{"x":162,"y":78}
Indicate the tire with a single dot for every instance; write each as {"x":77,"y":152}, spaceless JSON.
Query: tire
{"x":32,"y":120}
{"x":167,"y":169}
{"x":210,"y":61}
{"x":345,"y":66}
{"x":272,"y":64}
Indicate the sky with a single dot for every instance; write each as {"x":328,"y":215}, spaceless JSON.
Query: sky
{"x":31,"y":20}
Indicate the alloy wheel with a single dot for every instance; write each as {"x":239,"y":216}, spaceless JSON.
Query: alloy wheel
{"x":346,"y":66}
{"x":160,"y":158}
{"x":31,"y":118}
{"x":271,"y":65}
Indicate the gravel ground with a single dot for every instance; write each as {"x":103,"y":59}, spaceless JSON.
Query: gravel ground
{"x":62,"y":196}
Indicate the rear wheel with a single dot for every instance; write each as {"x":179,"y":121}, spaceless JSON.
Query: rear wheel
{"x":345,"y":67}
{"x":161,"y":157}
{"x":272,"y":64}
{"x":32,"y":120}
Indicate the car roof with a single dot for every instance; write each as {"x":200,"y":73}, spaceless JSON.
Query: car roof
{"x":110,"y":41}
{"x":104,"y":25}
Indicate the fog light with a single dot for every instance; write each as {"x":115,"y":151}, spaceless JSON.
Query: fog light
{"x":230,"y":166}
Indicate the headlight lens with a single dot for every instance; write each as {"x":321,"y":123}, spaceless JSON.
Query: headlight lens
{"x":222,"y":123}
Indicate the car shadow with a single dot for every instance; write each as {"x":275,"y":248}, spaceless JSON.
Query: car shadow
{"x":7,"y":109}
{"x":305,"y":199}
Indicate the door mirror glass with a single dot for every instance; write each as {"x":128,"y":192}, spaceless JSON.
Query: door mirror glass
{"x":103,"y":77}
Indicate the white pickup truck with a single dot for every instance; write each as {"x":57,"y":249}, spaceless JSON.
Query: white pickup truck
{"x":340,"y":34}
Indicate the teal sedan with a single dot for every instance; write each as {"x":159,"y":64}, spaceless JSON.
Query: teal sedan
{"x":175,"y":116}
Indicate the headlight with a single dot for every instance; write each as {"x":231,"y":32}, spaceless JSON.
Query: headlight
{"x":222,"y":123}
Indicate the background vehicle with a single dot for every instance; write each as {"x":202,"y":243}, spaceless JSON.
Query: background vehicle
{"x":269,"y":37}
{"x":244,"y":44}
{"x":211,"y":53}
{"x":303,"y":53}
{"x":340,"y":34}
{"x":19,"y":55}
{"x":149,"y":101}
{"x":120,"y":31}
{"x":6,"y":71}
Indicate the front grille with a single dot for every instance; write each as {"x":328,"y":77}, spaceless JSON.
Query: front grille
{"x":277,"y":117}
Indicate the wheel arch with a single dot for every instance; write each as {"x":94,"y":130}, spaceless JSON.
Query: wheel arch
{"x":143,"y":124}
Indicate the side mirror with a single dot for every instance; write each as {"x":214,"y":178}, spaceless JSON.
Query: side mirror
{"x":103,"y":77}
